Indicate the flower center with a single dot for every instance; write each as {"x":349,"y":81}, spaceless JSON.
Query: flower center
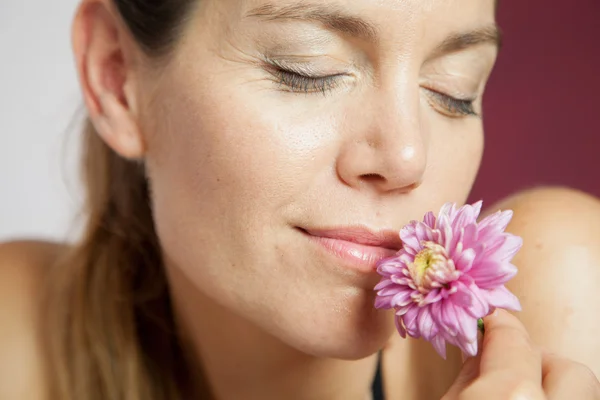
{"x":432,"y":268}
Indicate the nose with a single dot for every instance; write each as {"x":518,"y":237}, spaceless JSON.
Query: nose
{"x":385,"y":149}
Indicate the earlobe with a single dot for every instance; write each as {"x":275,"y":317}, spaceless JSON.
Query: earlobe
{"x":103,"y":53}
{"x":118,"y":129}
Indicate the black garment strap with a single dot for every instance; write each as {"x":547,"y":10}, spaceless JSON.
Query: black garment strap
{"x":377,"y":386}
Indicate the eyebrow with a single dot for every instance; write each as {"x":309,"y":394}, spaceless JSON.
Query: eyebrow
{"x":336,"y":19}
{"x":330,"y":16}
{"x":489,"y":34}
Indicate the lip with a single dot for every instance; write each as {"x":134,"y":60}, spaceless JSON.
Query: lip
{"x":358,"y":247}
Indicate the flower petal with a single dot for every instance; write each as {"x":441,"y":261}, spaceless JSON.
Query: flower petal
{"x":384,"y":283}
{"x":494,"y":224}
{"x":469,"y":236}
{"x":394,"y":265}
{"x":469,"y":348}
{"x":401,"y":280}
{"x":455,"y":245}
{"x":462,"y":297}
{"x":467,"y":325}
{"x":465,"y":215}
{"x":479,"y":306}
{"x":400,"y":327}
{"x":493,"y":243}
{"x":429,"y":220}
{"x":427,"y":326}
{"x":383,"y":302}
{"x":501,"y":297}
{"x":448,"y":318}
{"x":410,"y":321}
{"x":446,"y":232}
{"x":448,"y":210}
{"x":424,"y":232}
{"x":402,"y":298}
{"x":464,"y":260}
{"x":490,"y":274}
{"x":512,"y":244}
{"x":391,"y":290}
{"x":409,"y":237}
{"x":432,"y":297}
{"x":439,"y":344}
{"x":477,"y":208}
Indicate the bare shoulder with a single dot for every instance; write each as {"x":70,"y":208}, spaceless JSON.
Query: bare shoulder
{"x":23,"y":269}
{"x":559,"y":269}
{"x":551,"y":215}
{"x":554,"y":204}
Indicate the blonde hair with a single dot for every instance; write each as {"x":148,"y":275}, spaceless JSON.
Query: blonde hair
{"x":109,"y":325}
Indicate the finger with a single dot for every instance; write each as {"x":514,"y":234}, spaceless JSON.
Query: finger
{"x":468,"y":372}
{"x":507,"y":348}
{"x":502,"y":386}
{"x":510,"y":366}
{"x":566,"y":380}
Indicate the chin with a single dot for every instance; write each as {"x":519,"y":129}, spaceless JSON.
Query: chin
{"x":348,"y":334}
{"x":350,"y":343}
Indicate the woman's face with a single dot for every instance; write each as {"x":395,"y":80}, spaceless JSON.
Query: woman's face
{"x":278,"y":118}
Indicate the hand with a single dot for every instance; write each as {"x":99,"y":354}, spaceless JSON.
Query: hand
{"x":510,"y":367}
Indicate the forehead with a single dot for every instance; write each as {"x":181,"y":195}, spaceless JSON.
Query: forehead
{"x":381,"y":11}
{"x":430,"y":26}
{"x":384,"y":20}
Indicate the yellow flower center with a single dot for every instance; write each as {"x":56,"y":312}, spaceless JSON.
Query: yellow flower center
{"x":427,"y":262}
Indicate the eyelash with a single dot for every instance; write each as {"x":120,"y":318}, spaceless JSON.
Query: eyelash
{"x":298,"y":82}
{"x":453,"y":107}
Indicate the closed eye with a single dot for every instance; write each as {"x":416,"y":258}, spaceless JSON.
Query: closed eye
{"x":451,"y":106}
{"x":300,"y":82}
{"x":303,"y":77}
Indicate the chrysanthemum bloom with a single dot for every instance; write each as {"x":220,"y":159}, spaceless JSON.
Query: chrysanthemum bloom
{"x":450,"y":272}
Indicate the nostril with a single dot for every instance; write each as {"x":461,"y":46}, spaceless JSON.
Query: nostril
{"x":386,"y":184}
{"x":373,"y":178}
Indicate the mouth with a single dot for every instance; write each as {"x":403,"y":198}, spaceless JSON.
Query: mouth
{"x":356,"y":247}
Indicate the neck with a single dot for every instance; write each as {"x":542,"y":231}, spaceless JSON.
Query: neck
{"x":239,"y":360}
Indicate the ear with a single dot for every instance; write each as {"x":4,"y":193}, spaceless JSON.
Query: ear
{"x":103,"y":53}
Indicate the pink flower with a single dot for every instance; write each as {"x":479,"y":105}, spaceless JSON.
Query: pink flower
{"x":450,"y":272}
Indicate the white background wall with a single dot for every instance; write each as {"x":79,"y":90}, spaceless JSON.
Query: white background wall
{"x":39,"y":99}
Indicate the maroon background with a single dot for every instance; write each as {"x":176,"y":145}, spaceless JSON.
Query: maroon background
{"x":542,"y":105}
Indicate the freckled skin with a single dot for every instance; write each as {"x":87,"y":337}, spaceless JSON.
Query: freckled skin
{"x":255,"y":128}
{"x":238,"y":161}
{"x":240,"y":155}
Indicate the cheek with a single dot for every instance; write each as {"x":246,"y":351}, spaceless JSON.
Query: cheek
{"x":225,"y":171}
{"x":454,"y":159}
{"x":238,"y":153}
{"x":222,"y":185}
